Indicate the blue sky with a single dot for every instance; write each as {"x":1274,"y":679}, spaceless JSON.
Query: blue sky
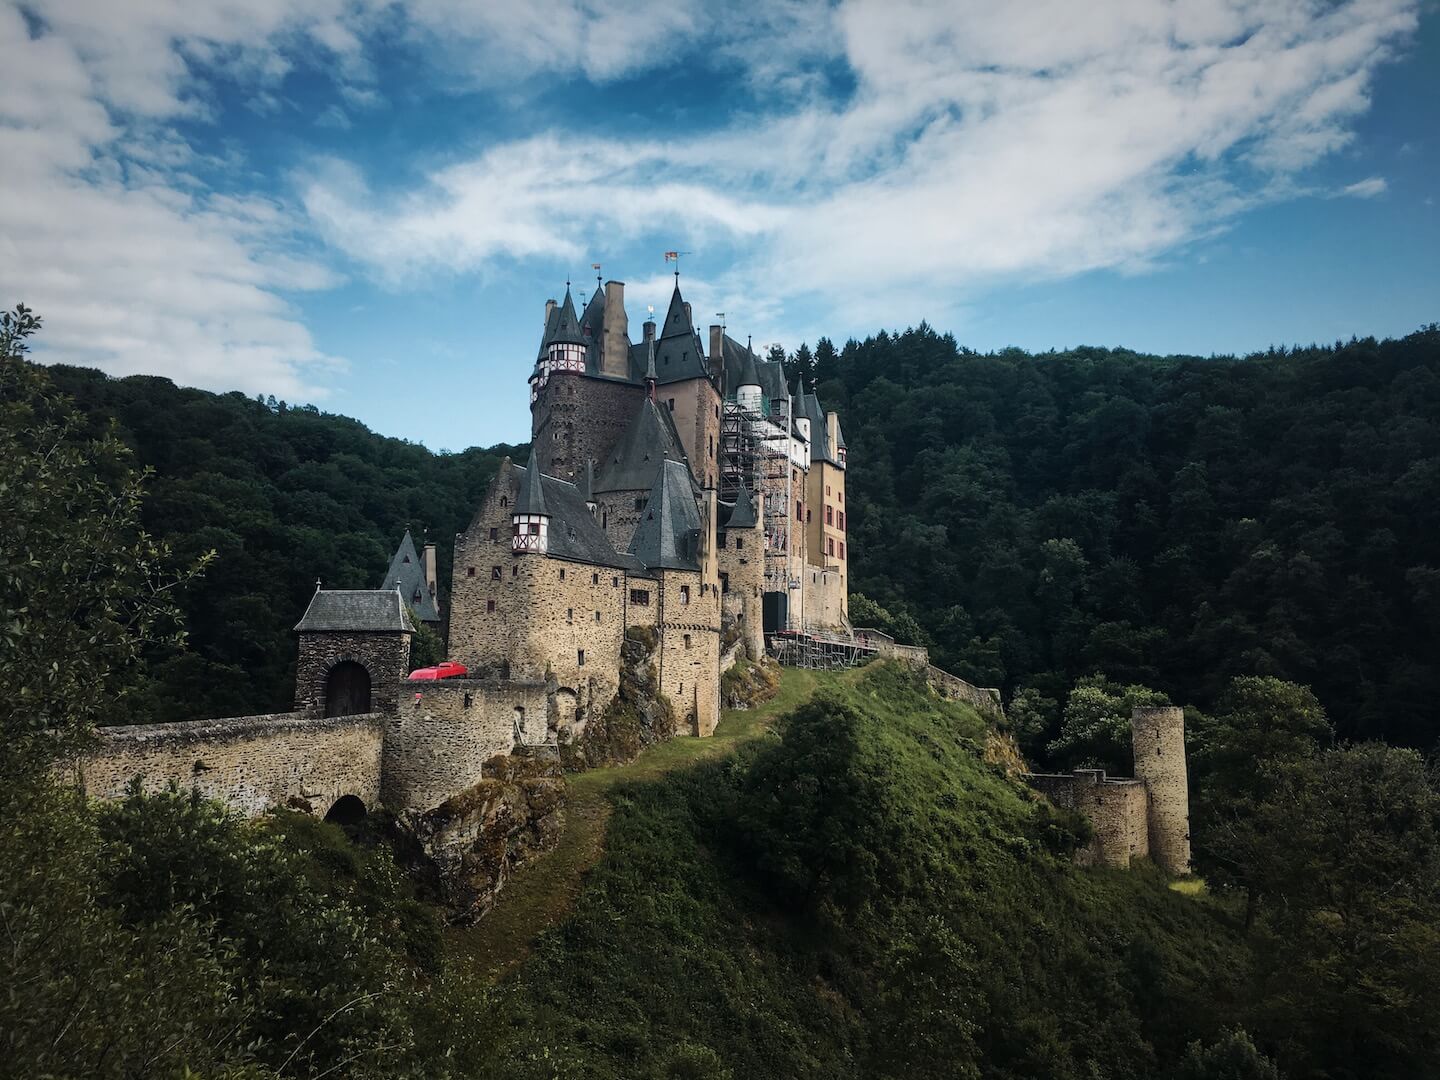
{"x":365,"y":203}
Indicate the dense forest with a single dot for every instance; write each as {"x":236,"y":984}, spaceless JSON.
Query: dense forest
{"x":1172,"y":522}
{"x":1035,"y":519}
{"x":859,"y":890}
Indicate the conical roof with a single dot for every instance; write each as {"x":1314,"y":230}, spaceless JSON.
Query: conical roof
{"x":749,"y":374}
{"x":677,"y":318}
{"x":531,"y":499}
{"x":650,"y":439}
{"x":566,"y":328}
{"x":667,"y":537}
{"x":407,"y":573}
{"x":743,"y":515}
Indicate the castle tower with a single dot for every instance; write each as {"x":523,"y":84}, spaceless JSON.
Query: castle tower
{"x":354,"y":652}
{"x":530,"y":520}
{"x":1159,"y":740}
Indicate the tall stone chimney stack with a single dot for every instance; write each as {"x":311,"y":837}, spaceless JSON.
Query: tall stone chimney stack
{"x":549,"y":309}
{"x":432,"y":576}
{"x":615,"y":348}
{"x":717,"y":355}
{"x":832,"y":435}
{"x":1158,"y":735}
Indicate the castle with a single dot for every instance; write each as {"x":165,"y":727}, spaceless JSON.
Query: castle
{"x":687,"y":493}
{"x":684,"y":490}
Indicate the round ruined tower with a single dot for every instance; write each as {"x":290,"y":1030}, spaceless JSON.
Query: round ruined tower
{"x":1158,"y":734}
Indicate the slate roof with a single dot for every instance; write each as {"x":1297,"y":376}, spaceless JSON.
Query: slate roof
{"x":819,"y":438}
{"x":668,"y":535}
{"x":678,"y":354}
{"x":650,"y":439}
{"x":573,"y":533}
{"x":531,"y":499}
{"x":407,"y":571}
{"x":566,"y":329}
{"x":742,"y":512}
{"x":356,"y":611}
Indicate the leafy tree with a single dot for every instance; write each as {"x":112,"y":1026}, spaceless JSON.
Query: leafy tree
{"x":1095,"y":726}
{"x":1232,"y":1057}
{"x":426,"y":647}
{"x":83,"y":586}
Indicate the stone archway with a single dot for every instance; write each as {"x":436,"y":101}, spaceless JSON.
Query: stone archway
{"x":346,"y":811}
{"x":347,"y":689}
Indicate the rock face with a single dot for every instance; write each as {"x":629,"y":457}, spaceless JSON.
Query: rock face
{"x":477,"y":839}
{"x":636,"y":717}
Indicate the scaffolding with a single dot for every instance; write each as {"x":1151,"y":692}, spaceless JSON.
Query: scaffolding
{"x":818,"y":652}
{"x":755,"y":447}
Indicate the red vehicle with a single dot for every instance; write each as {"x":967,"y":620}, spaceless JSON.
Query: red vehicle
{"x":446,"y":670}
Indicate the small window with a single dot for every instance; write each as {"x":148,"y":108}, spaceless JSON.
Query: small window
{"x":504,"y":501}
{"x":684,"y":594}
{"x":405,"y":559}
{"x":739,"y":542}
{"x":580,"y":657}
{"x":489,"y":605}
{"x":495,"y":573}
{"x":597,"y":616}
{"x":671,"y":402}
{"x":494,"y":535}
{"x":711,"y":440}
{"x":724,"y":583}
{"x":470,"y":571}
{"x":720,"y":538}
{"x":468,"y":700}
{"x":605,"y":520}
{"x":841,"y":516}
{"x":594,"y":579}
{"x":640,"y":597}
{"x":830,"y":545}
{"x":562,"y":573}
{"x":515,"y":570}
{"x":640,"y":503}
{"x":829,"y":515}
{"x":615,"y":582}
{"x":534,"y":528}
{"x":687,"y":641}
{"x":807,"y":517}
{"x":842,"y":549}
{"x":799,"y":511}
{"x":570,"y":615}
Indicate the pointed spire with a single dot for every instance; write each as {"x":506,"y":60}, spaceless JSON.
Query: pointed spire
{"x":565,"y":330}
{"x":743,"y":515}
{"x":677,"y":317}
{"x":532,"y":491}
{"x":650,"y":377}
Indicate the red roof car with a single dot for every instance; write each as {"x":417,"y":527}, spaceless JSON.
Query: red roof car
{"x":447,"y":670}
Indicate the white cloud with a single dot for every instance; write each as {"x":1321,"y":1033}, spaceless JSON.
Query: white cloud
{"x":983,"y":142}
{"x":1366,"y":189}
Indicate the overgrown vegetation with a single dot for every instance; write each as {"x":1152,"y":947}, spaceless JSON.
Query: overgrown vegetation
{"x":638,"y":716}
{"x":749,"y":683}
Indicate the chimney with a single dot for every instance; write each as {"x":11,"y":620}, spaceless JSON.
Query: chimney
{"x":549,"y":308}
{"x":717,"y":355}
{"x":832,"y":435}
{"x":688,"y":317}
{"x":615,"y":348}
{"x":432,"y":578}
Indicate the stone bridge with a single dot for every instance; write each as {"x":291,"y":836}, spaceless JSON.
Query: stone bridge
{"x":324,"y":764}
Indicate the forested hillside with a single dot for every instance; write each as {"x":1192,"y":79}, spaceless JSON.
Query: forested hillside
{"x":1170,"y":522}
{"x":283,"y":496}
{"x":1036,"y":519}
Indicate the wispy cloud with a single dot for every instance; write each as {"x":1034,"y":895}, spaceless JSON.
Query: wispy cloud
{"x":972,"y":143}
{"x":1367,"y":188}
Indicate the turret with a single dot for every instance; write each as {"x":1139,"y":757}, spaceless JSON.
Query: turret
{"x":530,"y":520}
{"x":747,"y":385}
{"x":565,"y":347}
{"x":1158,"y":736}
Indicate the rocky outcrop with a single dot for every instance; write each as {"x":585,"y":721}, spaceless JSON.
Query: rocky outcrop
{"x":638,"y":716}
{"x":472,"y":843}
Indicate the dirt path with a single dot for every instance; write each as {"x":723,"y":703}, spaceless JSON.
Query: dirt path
{"x":541,"y":893}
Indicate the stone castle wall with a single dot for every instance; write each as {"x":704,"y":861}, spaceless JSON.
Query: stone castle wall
{"x":252,"y":763}
{"x":695,"y":407}
{"x":576,"y":418}
{"x":446,"y":730}
{"x":826,"y":604}
{"x":742,"y":560}
{"x":1116,"y":810}
{"x":1158,"y":736}
{"x":689,"y":654}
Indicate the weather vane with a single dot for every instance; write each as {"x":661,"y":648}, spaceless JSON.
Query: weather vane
{"x":674,"y":256}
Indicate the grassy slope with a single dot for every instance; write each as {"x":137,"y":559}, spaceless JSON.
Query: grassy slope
{"x":861,"y":896}
{"x":543,"y":892}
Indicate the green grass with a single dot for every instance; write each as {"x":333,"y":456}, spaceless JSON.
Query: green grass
{"x":861,"y":896}
{"x":544,"y":891}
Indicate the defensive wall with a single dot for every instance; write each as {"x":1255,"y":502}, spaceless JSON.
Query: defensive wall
{"x":1116,"y":809}
{"x":252,"y":763}
{"x":445,"y":731}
